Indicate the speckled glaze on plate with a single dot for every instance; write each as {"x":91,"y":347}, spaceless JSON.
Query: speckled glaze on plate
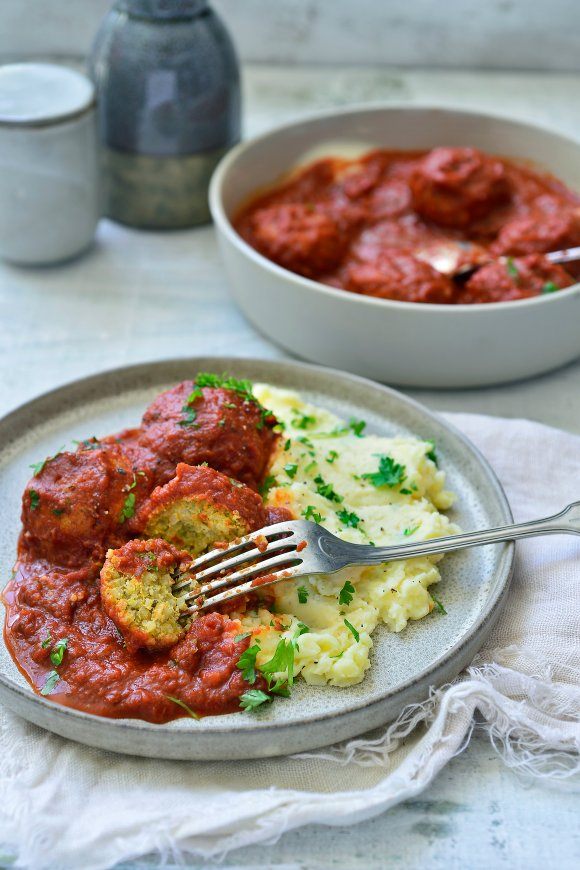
{"x":429,"y":652}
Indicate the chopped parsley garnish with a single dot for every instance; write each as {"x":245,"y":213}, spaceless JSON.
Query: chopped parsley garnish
{"x":252,"y":699}
{"x":326,"y":490}
{"x":306,"y":441}
{"x":128,"y":508}
{"x":89,"y":443}
{"x":512,"y":269}
{"x":58,"y":650}
{"x":243,"y":388}
{"x":240,"y":637}
{"x":51,"y":681}
{"x":47,"y":641}
{"x":346,"y":593}
{"x":431,"y":453}
{"x":349,"y":519}
{"x":352,"y":630}
{"x":280,"y":687}
{"x":312,"y":514}
{"x":331,"y":456}
{"x":282,"y":661}
{"x":550,"y":287}
{"x":247,"y":663}
{"x":288,"y":444}
{"x":269,"y":482}
{"x":303,"y":594}
{"x":303,"y":421}
{"x":189,"y":416}
{"x":291,"y":468}
{"x":310,"y":467}
{"x":37,"y":467}
{"x":438,"y":605}
{"x":58,"y":512}
{"x":34,"y":499}
{"x":357,"y":426}
{"x":390,"y":473}
{"x":411,"y":531}
{"x":184,"y":706}
{"x":405,"y":492}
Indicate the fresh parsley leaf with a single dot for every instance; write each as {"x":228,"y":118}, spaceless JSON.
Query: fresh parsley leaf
{"x":411,"y":531}
{"x":58,"y":650}
{"x":243,"y":388}
{"x":348,"y":519}
{"x":301,"y":629}
{"x":310,"y":467}
{"x":306,"y":441}
{"x":405,"y":491}
{"x":352,"y":630}
{"x":247,"y":663}
{"x":331,"y":456}
{"x":282,"y":661}
{"x":291,"y":468}
{"x":512,"y":269}
{"x":252,"y":699}
{"x":280,"y":687}
{"x":390,"y":473}
{"x":288,"y":444}
{"x":303,"y":594}
{"x":51,"y":681}
{"x":326,"y":490}
{"x":438,"y":605}
{"x":268,"y":483}
{"x":34,"y":499}
{"x":47,"y":641}
{"x":346,"y":593}
{"x":189,"y":417}
{"x":303,"y":421}
{"x":240,"y":637}
{"x":357,"y":426}
{"x":184,"y":706}
{"x":550,"y":287}
{"x":431,"y":453}
{"x":128,"y":508}
{"x":312,"y":514}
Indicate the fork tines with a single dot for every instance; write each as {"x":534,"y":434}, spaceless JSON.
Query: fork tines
{"x":259,"y":559}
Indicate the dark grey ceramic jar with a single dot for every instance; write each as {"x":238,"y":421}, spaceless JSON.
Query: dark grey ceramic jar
{"x":168,"y":98}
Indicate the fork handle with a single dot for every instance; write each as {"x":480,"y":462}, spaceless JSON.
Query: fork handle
{"x":566,"y":522}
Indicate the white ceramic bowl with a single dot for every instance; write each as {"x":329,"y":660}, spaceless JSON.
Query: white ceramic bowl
{"x":396,"y":342}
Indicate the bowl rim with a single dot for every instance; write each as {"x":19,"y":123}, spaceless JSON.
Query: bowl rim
{"x":224,"y":224}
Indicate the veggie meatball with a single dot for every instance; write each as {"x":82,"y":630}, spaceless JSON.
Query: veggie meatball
{"x":77,"y":505}
{"x":136,"y":584}
{"x":456,"y":186}
{"x":227,"y":428}
{"x":199,"y":507}
{"x":399,"y":276}
{"x":519,"y":278}
{"x":539,"y":233}
{"x":299,"y":237}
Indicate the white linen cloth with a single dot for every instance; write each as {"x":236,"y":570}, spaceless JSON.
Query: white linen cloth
{"x":64,"y":806}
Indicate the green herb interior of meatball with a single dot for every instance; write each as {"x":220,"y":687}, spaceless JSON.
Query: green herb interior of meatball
{"x":389,"y":473}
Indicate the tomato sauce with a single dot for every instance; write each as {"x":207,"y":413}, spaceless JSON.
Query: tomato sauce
{"x":367,"y":225}
{"x":73,"y":509}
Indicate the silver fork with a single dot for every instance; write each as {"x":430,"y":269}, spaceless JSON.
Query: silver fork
{"x":293,"y":549}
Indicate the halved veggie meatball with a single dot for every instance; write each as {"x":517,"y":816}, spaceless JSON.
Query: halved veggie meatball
{"x":77,"y":505}
{"x":136,"y":584}
{"x":227,"y":429}
{"x":456,"y":186}
{"x":514,"y":278}
{"x":399,"y":276}
{"x":199,"y":507}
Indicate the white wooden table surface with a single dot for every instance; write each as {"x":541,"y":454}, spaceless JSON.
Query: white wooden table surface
{"x":140,"y":296}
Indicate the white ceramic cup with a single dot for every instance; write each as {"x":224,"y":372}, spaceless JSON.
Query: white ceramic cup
{"x":49,"y":184}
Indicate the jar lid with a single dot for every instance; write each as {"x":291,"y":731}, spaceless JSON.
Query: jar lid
{"x":164,"y":8}
{"x":38,"y":94}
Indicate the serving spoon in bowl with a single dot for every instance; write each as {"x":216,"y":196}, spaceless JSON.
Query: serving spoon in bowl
{"x":299,"y":548}
{"x":461,"y":259}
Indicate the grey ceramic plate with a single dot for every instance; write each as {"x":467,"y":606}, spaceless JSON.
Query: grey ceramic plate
{"x":429,"y":652}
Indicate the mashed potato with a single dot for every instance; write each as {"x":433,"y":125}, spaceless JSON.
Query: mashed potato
{"x":365,"y":489}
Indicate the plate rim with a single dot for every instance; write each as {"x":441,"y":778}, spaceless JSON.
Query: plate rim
{"x":487,"y":614}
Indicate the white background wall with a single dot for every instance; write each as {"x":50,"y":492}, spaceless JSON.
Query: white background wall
{"x":509,"y":34}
